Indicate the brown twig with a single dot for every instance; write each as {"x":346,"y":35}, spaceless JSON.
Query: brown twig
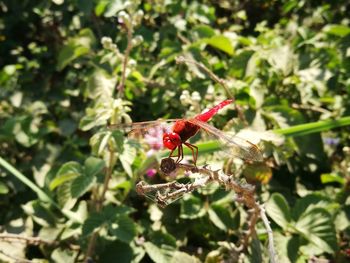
{"x":168,"y":192}
{"x":213,"y":76}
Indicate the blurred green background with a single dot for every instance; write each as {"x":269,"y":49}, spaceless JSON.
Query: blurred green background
{"x":68,"y":68}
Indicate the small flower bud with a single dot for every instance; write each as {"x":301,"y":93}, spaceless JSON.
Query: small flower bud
{"x":137,"y":40}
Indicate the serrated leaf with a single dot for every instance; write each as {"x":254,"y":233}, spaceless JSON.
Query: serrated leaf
{"x":317,"y":227}
{"x":67,"y":172}
{"x":81,"y":185}
{"x":220,"y":42}
{"x":307,"y":203}
{"x":106,"y":217}
{"x":157,"y":254}
{"x":64,"y":196}
{"x":278,"y":209}
{"x":125,"y":229}
{"x":127,"y":158}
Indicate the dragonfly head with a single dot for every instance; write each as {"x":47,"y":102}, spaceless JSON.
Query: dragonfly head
{"x":171,"y":140}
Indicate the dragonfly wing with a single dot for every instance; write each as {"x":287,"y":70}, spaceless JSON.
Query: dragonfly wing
{"x":148,"y":133}
{"x":239,"y":147}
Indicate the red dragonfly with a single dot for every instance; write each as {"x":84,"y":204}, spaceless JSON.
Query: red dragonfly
{"x":182,"y":130}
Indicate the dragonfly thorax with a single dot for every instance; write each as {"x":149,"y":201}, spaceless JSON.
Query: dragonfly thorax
{"x":171,"y":140}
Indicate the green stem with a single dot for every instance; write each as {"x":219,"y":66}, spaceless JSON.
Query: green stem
{"x":313,"y":127}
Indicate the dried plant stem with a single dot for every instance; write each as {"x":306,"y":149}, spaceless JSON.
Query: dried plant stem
{"x":99,"y":204}
{"x":169,"y":192}
{"x":121,"y":85}
{"x":213,"y":76}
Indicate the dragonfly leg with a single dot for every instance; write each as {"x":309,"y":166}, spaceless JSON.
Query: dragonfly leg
{"x":180,"y":154}
{"x":193,"y":148}
{"x":171,"y":153}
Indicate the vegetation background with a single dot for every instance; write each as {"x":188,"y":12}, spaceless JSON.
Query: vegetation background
{"x":67,"y":183}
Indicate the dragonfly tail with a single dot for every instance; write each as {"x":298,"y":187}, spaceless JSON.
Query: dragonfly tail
{"x":206,"y":116}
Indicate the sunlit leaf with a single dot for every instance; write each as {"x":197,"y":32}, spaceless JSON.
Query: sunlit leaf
{"x":67,"y":172}
{"x":220,"y":42}
{"x":124,"y":229}
{"x":157,"y":254}
{"x":337,"y":30}
{"x":278,"y":209}
{"x":317,"y":227}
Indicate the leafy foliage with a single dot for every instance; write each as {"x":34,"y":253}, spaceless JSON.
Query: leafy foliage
{"x":69,"y":69}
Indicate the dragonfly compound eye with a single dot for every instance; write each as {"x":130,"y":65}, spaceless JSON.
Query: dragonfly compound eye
{"x":171,"y":140}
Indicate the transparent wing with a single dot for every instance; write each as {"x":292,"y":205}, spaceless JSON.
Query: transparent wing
{"x":236,"y":146}
{"x":148,"y":133}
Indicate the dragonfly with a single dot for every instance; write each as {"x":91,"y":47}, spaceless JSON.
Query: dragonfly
{"x":177,"y":132}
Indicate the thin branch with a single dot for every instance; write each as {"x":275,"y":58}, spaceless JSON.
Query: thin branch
{"x":213,"y":76}
{"x":99,"y":204}
{"x":121,"y":85}
{"x":272,"y":252}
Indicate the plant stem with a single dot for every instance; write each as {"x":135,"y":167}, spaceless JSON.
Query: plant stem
{"x":98,"y":205}
{"x":121,"y":85}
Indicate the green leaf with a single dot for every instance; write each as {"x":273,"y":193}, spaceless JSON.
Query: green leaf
{"x":125,"y":229}
{"x":117,"y":252}
{"x":182,"y":257}
{"x":109,"y":215}
{"x":67,"y":172}
{"x":317,"y":227}
{"x":93,"y":166}
{"x":308,"y":203}
{"x":191,"y":207}
{"x":64,"y":195}
{"x":337,"y":30}
{"x":220,"y":217}
{"x":332,"y":178}
{"x":41,"y":214}
{"x":278,"y":209}
{"x":81,"y":185}
{"x":204,"y":31}
{"x":75,"y":48}
{"x":160,"y":238}
{"x":3,"y":188}
{"x":157,"y":254}
{"x":69,"y":53}
{"x":127,"y":158}
{"x":256,"y":253}
{"x":220,"y":42}
{"x":113,"y":8}
{"x":286,"y":247}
